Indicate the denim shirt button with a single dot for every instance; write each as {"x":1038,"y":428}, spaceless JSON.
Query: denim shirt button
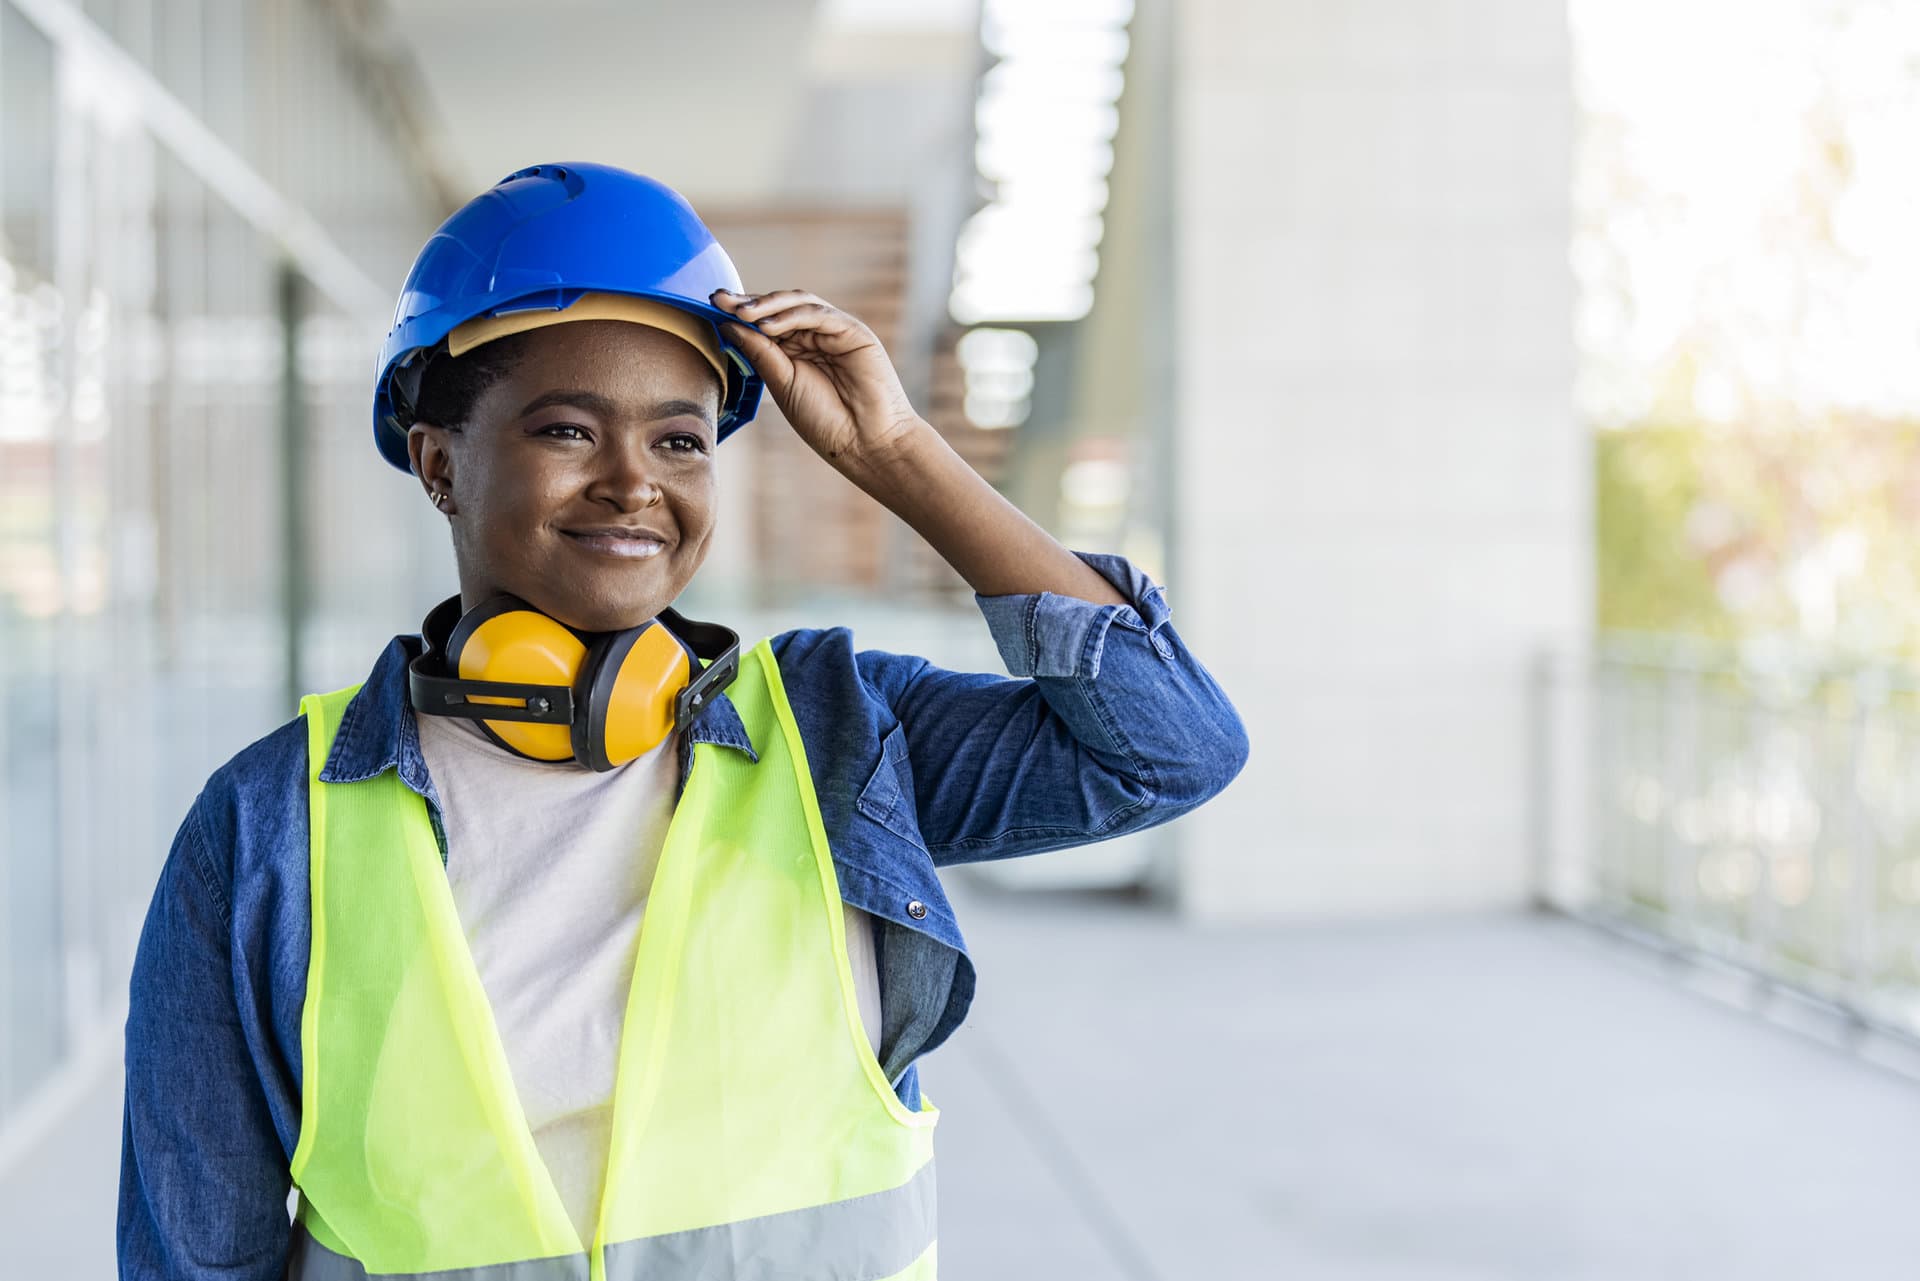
{"x":917,"y":910}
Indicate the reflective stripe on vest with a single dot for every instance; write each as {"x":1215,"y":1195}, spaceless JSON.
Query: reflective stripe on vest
{"x":859,"y":1240}
{"x":753,"y":1135}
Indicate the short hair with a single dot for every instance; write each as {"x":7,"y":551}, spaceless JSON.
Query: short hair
{"x":450,"y":386}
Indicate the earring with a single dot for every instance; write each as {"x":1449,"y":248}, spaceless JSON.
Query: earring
{"x":440,"y":499}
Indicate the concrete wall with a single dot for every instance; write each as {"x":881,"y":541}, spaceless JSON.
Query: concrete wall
{"x":1383,"y":505}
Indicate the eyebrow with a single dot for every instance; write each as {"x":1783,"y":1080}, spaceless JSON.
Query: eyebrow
{"x":602,"y":407}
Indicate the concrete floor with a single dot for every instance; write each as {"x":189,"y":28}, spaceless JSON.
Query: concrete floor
{"x":1482,"y":1098}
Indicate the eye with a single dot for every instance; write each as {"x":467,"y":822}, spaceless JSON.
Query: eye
{"x":682,"y":442}
{"x":560,"y":431}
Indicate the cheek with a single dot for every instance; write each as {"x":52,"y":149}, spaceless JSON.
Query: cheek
{"x":697,"y":499}
{"x":513,"y":503}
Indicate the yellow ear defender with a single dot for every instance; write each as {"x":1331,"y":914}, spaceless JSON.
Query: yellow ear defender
{"x":544,"y":691}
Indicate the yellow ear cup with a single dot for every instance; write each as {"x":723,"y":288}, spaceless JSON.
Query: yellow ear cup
{"x":523,"y":646}
{"x":639,"y":695}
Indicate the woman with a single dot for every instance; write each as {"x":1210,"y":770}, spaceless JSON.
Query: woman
{"x":578,"y":941}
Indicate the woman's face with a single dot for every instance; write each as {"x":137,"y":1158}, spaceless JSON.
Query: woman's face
{"x":583,"y":482}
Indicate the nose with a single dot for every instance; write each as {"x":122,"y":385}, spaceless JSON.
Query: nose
{"x":625,"y":480}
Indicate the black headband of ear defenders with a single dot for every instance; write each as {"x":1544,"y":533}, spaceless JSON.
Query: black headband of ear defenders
{"x":435,"y":691}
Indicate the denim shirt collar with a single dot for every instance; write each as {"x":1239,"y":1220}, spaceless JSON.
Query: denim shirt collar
{"x":378,"y":731}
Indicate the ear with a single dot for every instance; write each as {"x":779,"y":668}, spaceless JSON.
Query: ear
{"x":429,"y":450}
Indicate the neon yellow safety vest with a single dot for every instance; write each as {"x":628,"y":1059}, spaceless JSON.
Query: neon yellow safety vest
{"x":754,"y":1137}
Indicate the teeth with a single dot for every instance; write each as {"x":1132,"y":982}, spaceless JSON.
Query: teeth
{"x":634,"y":546}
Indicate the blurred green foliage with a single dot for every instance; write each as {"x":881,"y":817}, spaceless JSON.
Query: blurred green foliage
{"x":1729,"y":534}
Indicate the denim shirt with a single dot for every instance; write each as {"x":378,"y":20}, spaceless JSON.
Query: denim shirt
{"x":1108,"y":726}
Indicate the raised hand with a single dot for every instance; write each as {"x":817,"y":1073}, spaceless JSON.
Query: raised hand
{"x":827,"y":372}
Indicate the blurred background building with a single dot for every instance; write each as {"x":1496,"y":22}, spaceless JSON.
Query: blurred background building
{"x":1519,"y":399}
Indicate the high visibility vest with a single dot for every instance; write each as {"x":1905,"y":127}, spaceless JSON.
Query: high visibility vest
{"x":754,"y":1137}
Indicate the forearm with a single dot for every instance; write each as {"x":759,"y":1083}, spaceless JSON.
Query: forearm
{"x":1119,"y":726}
{"x":989,"y":542}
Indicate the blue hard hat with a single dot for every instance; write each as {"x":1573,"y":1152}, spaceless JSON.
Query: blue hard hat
{"x":538,"y":240}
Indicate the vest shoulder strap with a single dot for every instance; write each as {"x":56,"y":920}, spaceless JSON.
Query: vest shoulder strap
{"x":324,"y":712}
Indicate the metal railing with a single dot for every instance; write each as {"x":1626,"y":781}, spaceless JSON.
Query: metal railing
{"x":1759,"y":809}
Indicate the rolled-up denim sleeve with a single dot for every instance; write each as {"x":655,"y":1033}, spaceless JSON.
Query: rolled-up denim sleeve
{"x":1110,"y":725}
{"x":203,"y":1177}
{"x":1064,"y":636}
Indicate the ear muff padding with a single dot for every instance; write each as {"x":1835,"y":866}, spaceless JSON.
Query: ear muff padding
{"x":631,"y":682}
{"x":505,"y":639}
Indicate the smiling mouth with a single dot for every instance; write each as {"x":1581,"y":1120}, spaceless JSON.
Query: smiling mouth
{"x":623,"y":544}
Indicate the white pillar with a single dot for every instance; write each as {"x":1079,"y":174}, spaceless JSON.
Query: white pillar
{"x":1383,"y":496}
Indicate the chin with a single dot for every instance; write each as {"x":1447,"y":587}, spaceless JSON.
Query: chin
{"x":603,"y":610}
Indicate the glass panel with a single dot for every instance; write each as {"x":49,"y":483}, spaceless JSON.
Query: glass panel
{"x":26,"y":145}
{"x":144,"y":461}
{"x":31,"y":998}
{"x":218,"y":590}
{"x":400,"y":562}
{"x":111,"y":648}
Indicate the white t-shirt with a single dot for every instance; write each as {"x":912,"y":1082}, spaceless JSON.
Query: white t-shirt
{"x":550,"y":868}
